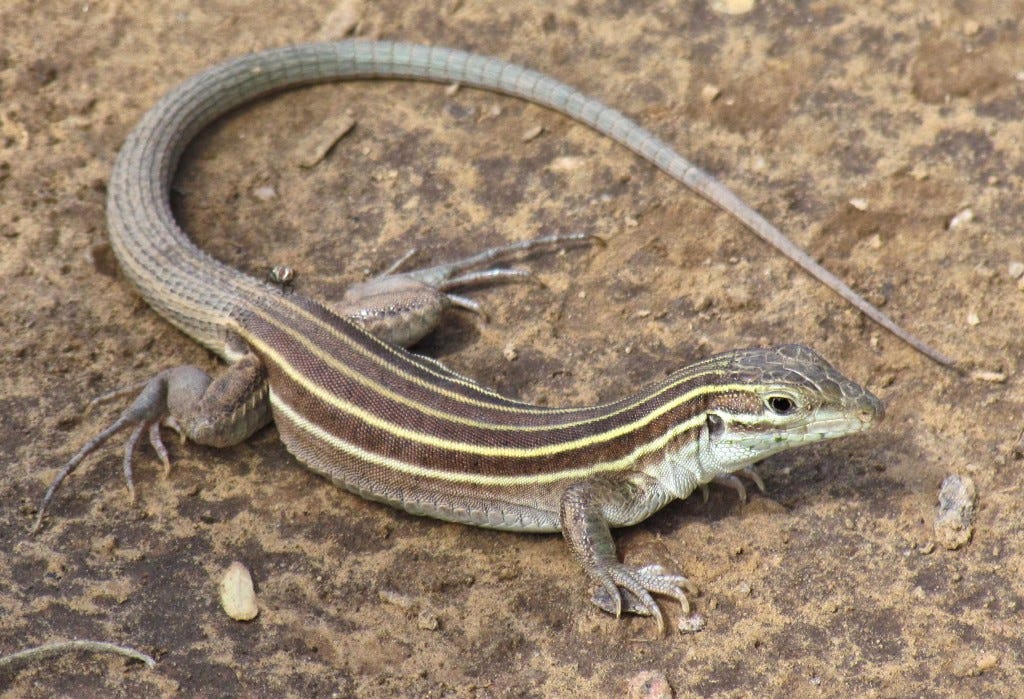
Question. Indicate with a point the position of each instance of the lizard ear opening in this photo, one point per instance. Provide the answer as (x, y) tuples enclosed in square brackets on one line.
[(715, 424)]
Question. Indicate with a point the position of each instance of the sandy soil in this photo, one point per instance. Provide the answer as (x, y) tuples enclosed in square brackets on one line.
[(861, 128)]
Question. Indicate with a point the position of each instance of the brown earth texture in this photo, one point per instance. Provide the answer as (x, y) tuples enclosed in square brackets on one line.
[(884, 137)]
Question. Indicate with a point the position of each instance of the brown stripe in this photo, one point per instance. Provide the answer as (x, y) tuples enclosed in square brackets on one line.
[(381, 441)]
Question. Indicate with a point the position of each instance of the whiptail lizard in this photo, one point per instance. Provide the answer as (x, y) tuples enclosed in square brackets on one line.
[(386, 424)]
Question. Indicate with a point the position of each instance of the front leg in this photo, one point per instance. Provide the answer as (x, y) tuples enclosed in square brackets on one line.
[(588, 509), (216, 413)]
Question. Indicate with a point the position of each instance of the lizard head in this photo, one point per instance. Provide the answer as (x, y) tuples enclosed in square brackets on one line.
[(764, 401)]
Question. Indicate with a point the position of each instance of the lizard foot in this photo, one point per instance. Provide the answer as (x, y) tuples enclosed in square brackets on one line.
[(403, 307), (144, 415), (216, 413), (628, 589), (147, 413), (446, 277), (450, 275), (731, 480)]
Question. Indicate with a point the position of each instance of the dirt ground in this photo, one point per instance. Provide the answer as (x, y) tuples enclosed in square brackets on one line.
[(865, 130)]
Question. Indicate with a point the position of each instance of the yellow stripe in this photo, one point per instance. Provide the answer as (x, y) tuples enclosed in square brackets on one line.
[(385, 349), (345, 370), (318, 434), (328, 398)]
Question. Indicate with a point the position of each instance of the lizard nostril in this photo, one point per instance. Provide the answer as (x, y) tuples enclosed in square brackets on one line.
[(872, 411)]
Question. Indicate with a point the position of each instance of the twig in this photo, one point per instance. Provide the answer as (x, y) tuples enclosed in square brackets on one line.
[(14, 659)]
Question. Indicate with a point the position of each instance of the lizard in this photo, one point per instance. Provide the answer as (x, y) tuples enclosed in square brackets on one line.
[(352, 404)]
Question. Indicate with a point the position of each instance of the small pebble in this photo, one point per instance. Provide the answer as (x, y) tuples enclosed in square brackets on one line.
[(532, 133), (427, 621), (341, 21), (960, 219), (987, 662), (1015, 269), (237, 594), (859, 204), (566, 163), (954, 522), (651, 684), (265, 192), (510, 353), (709, 93), (732, 7), (396, 598), (104, 545), (318, 143), (966, 666), (692, 624), (989, 376)]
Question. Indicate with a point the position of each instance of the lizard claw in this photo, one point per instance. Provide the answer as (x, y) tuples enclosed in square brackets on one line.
[(730, 480), (755, 477), (629, 589)]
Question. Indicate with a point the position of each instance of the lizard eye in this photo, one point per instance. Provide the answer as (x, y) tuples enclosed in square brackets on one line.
[(781, 405)]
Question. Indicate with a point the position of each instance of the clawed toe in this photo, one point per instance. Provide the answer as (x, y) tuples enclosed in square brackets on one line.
[(397, 264), (628, 589), (468, 304), (679, 582), (114, 395), (730, 480), (461, 272), (486, 276), (158, 445), (755, 477)]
